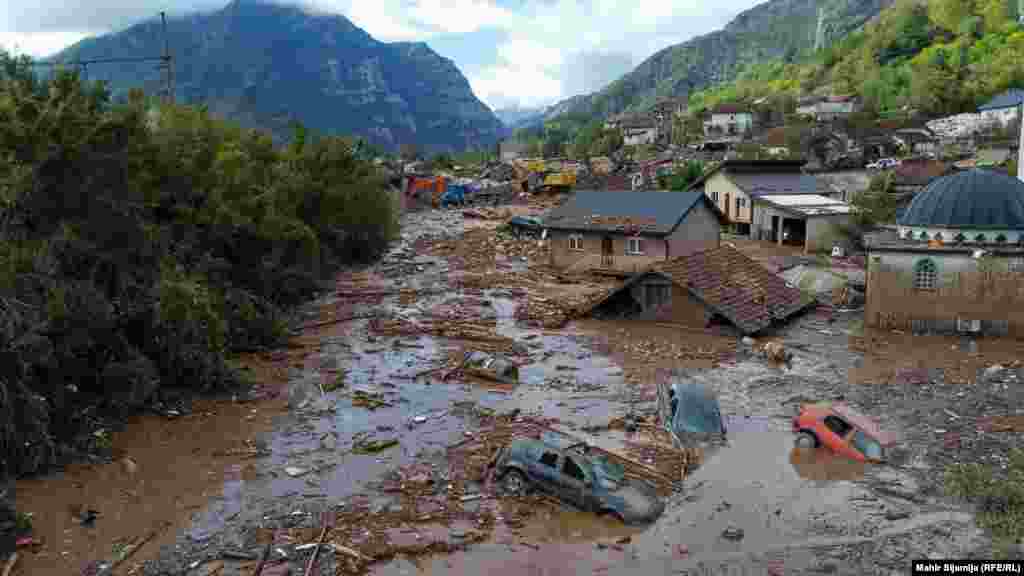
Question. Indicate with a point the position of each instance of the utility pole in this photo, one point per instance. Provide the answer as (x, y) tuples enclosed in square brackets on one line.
[(167, 63)]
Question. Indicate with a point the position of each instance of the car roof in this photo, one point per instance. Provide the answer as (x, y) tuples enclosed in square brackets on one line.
[(864, 422)]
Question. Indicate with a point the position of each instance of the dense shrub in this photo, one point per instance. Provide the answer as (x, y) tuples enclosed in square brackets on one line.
[(142, 244)]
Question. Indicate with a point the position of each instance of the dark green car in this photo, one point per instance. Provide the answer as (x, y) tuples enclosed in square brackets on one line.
[(577, 476)]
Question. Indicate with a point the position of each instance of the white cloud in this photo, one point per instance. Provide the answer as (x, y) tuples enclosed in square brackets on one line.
[(39, 44), (459, 16), (510, 85), (382, 19)]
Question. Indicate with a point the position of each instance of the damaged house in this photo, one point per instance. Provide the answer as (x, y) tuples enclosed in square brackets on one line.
[(716, 287), (629, 231)]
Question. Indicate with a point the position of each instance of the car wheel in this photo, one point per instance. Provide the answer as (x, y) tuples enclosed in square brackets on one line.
[(806, 439), (514, 483)]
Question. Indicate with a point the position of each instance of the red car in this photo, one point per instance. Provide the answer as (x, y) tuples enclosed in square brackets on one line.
[(843, 430)]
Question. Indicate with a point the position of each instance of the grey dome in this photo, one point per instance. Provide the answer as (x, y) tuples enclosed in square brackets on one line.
[(969, 199)]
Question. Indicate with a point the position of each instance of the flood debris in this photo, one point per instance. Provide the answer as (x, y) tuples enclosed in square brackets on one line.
[(491, 367), (373, 446), (295, 471), (371, 400)]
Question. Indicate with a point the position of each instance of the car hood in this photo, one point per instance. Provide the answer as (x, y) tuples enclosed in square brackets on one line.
[(636, 503)]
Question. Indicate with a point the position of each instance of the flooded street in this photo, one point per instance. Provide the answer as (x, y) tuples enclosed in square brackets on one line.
[(374, 429)]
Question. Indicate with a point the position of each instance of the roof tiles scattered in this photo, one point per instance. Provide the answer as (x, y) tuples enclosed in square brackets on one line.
[(735, 286)]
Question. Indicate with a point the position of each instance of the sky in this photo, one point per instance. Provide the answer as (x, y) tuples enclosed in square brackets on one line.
[(515, 53)]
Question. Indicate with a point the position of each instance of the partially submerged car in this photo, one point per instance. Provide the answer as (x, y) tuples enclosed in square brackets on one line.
[(525, 226), (576, 475), (843, 430), (689, 410)]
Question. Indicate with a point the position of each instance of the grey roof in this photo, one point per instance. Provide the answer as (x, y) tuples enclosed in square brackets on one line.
[(767, 183), (969, 199), (1008, 99), (655, 213)]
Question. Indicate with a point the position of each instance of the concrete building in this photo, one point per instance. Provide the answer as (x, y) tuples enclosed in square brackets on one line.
[(1002, 109), (827, 109), (955, 262), (629, 231), (639, 130), (728, 121)]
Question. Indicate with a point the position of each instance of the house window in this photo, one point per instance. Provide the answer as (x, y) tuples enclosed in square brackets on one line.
[(925, 274), (575, 242), (634, 245), (1015, 265), (714, 196)]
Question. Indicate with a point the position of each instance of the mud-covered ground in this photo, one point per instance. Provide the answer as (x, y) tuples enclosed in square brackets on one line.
[(366, 427)]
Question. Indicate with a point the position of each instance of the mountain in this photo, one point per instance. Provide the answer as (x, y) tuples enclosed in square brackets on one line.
[(266, 65), (515, 116), (778, 29), (936, 57)]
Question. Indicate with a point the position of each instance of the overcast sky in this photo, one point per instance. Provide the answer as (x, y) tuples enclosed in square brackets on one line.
[(514, 52)]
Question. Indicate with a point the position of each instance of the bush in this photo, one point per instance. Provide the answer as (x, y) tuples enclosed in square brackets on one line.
[(999, 498), (142, 245)]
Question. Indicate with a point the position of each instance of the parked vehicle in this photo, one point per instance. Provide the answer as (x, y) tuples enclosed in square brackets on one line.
[(578, 476), (454, 194), (525, 226), (689, 410), (843, 430), (884, 164)]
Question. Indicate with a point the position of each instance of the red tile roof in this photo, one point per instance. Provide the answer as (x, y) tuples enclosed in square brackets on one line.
[(735, 286), (729, 109)]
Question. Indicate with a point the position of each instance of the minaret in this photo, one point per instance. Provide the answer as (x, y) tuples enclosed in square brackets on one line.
[(1020, 147), (819, 35)]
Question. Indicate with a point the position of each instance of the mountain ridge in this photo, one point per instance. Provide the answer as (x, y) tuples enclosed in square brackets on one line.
[(268, 64)]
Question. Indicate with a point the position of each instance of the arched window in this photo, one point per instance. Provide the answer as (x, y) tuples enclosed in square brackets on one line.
[(1001, 238), (980, 238), (923, 235), (926, 274), (938, 236)]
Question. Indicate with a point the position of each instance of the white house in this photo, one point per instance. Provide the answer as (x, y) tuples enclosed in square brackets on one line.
[(827, 109), (728, 121), (1002, 109), (639, 130)]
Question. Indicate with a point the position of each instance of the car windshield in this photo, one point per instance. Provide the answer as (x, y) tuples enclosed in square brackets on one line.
[(867, 445), (610, 475), (696, 411)]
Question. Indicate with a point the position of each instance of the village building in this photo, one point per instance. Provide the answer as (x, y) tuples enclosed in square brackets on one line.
[(761, 199), (1002, 109), (719, 288), (638, 130), (917, 141), (955, 262), (629, 231), (827, 108), (728, 122), (511, 149)]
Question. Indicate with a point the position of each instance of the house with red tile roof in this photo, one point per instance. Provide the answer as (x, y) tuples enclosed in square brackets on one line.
[(716, 287)]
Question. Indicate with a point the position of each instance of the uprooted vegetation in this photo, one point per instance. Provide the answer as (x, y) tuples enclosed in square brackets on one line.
[(998, 496), (142, 244)]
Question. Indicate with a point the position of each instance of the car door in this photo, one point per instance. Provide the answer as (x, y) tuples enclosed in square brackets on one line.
[(837, 433), (545, 471), (573, 481)]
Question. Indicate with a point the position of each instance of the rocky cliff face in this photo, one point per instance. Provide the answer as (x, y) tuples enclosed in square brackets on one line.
[(773, 30), (267, 65)]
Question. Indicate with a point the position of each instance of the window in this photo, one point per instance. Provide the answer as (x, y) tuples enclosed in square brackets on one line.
[(837, 425), (867, 445), (714, 196), (575, 242), (1016, 265), (657, 294), (572, 469), (925, 274), (634, 245), (549, 459)]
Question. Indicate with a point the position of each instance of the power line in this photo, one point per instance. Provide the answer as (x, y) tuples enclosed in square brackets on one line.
[(166, 61)]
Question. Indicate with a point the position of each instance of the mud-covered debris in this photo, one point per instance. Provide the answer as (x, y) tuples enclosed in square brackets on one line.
[(491, 367), (733, 533), (369, 400), (295, 471), (129, 466), (373, 446)]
